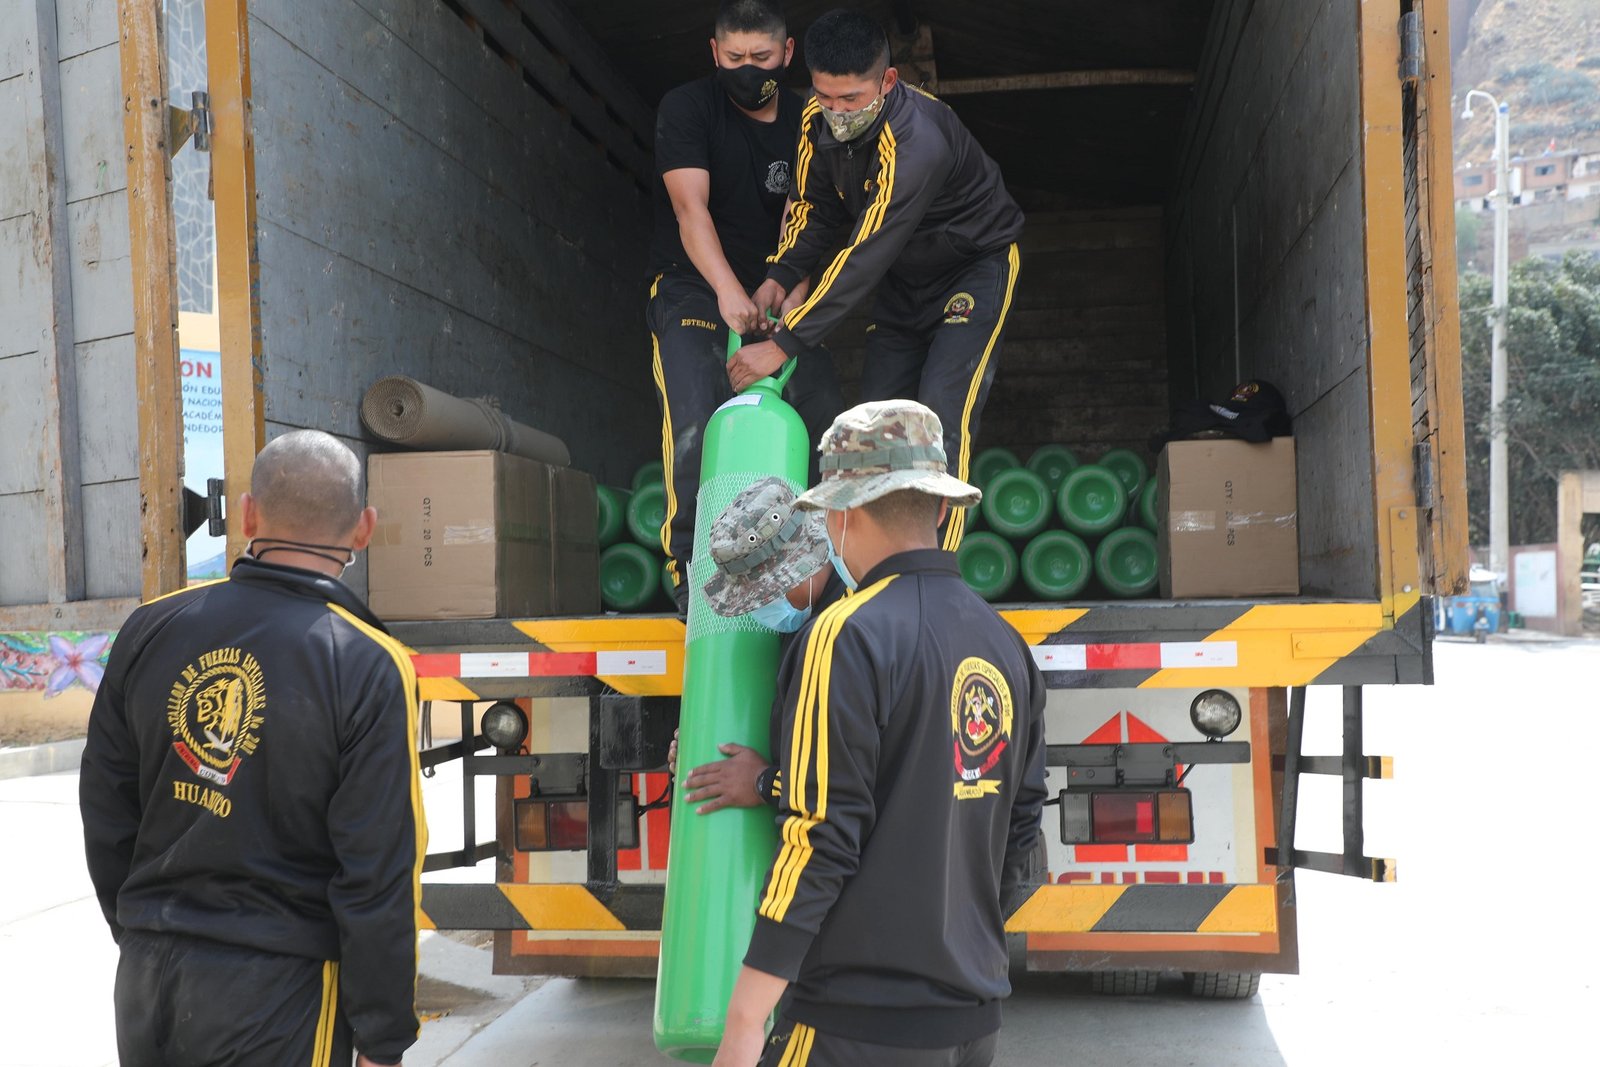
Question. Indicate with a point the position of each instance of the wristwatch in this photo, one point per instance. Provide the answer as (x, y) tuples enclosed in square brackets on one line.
[(764, 785)]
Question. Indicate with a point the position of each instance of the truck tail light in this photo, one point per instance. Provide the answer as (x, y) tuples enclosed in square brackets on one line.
[(561, 823), (1117, 817)]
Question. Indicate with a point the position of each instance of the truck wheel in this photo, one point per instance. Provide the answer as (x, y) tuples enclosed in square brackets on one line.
[(1124, 983), (1223, 985)]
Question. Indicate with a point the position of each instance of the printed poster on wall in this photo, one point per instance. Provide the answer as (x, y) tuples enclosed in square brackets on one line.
[(202, 452)]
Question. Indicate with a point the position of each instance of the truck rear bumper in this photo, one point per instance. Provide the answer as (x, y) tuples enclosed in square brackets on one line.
[(613, 930)]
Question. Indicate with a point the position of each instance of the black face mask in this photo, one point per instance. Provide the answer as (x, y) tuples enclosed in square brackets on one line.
[(749, 86)]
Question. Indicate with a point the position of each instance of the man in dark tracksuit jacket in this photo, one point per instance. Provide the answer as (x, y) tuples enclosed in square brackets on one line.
[(724, 155), (924, 217), (250, 797), (912, 771)]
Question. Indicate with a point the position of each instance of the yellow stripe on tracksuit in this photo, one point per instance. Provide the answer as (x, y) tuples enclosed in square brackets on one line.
[(801, 210), (666, 443), (810, 735), (798, 1052), (408, 682), (871, 222), (957, 525), (322, 1045)]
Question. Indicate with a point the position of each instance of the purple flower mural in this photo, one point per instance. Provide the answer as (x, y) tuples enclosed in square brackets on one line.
[(80, 662), (52, 663)]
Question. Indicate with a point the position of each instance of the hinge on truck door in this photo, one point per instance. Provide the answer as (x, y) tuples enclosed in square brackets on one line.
[(1422, 459), (1411, 47), (194, 121), (205, 510)]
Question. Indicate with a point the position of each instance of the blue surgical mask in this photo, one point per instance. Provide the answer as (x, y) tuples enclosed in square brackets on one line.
[(782, 616), (837, 559)]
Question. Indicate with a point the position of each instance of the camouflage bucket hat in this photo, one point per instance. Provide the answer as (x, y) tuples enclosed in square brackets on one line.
[(879, 448), (763, 546)]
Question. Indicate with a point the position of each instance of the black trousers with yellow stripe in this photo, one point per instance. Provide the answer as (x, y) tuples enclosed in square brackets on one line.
[(798, 1045), (939, 344), (188, 1002), (690, 368)]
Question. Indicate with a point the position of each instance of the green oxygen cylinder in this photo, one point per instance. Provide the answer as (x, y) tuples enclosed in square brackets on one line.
[(613, 507), (1092, 501), (1147, 507), (990, 462), (1127, 465), (1017, 503), (1053, 463), (717, 863), (1125, 562), (1056, 565), (627, 577), (989, 565), (652, 473), (646, 511)]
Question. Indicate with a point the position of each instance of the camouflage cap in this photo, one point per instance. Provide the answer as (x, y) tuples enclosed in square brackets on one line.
[(763, 546), (882, 447)]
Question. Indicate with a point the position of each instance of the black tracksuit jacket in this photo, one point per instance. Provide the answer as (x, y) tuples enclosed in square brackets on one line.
[(912, 764), (917, 196), (250, 777)]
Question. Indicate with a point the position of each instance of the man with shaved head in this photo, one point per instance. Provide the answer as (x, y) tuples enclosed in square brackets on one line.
[(251, 807)]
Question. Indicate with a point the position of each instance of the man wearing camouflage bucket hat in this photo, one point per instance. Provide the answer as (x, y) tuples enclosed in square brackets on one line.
[(772, 564), (912, 776)]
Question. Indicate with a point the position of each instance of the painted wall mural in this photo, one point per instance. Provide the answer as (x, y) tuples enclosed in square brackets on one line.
[(52, 663)]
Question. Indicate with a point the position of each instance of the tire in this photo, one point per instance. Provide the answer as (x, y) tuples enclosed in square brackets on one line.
[(1124, 983), (1223, 985)]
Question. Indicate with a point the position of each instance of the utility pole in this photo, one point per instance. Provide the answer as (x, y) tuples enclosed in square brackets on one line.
[(1499, 486)]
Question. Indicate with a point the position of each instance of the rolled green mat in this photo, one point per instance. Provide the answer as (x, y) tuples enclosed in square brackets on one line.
[(1149, 514), (974, 518), (649, 474), (1053, 463), (1125, 562), (613, 507), (1129, 466), (989, 462), (1017, 503), (1092, 501), (646, 511), (628, 577), (1057, 565), (988, 563)]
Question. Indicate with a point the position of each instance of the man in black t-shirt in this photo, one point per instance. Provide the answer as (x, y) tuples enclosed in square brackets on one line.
[(725, 149)]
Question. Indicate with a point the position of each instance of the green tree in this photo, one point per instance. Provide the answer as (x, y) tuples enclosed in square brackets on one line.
[(1552, 408)]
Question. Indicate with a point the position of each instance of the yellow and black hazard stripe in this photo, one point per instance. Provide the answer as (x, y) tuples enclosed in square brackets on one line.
[(1277, 643), (566, 907), (956, 527), (1266, 644), (800, 211), (1148, 909), (871, 222), (656, 633), (806, 784)]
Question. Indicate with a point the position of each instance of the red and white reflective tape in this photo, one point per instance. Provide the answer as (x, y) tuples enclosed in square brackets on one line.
[(539, 664), (1167, 655)]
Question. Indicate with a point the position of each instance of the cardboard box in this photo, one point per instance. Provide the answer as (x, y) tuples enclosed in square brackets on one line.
[(1228, 527), (480, 535)]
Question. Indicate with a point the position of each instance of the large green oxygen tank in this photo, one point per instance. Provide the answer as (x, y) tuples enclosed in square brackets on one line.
[(717, 863)]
